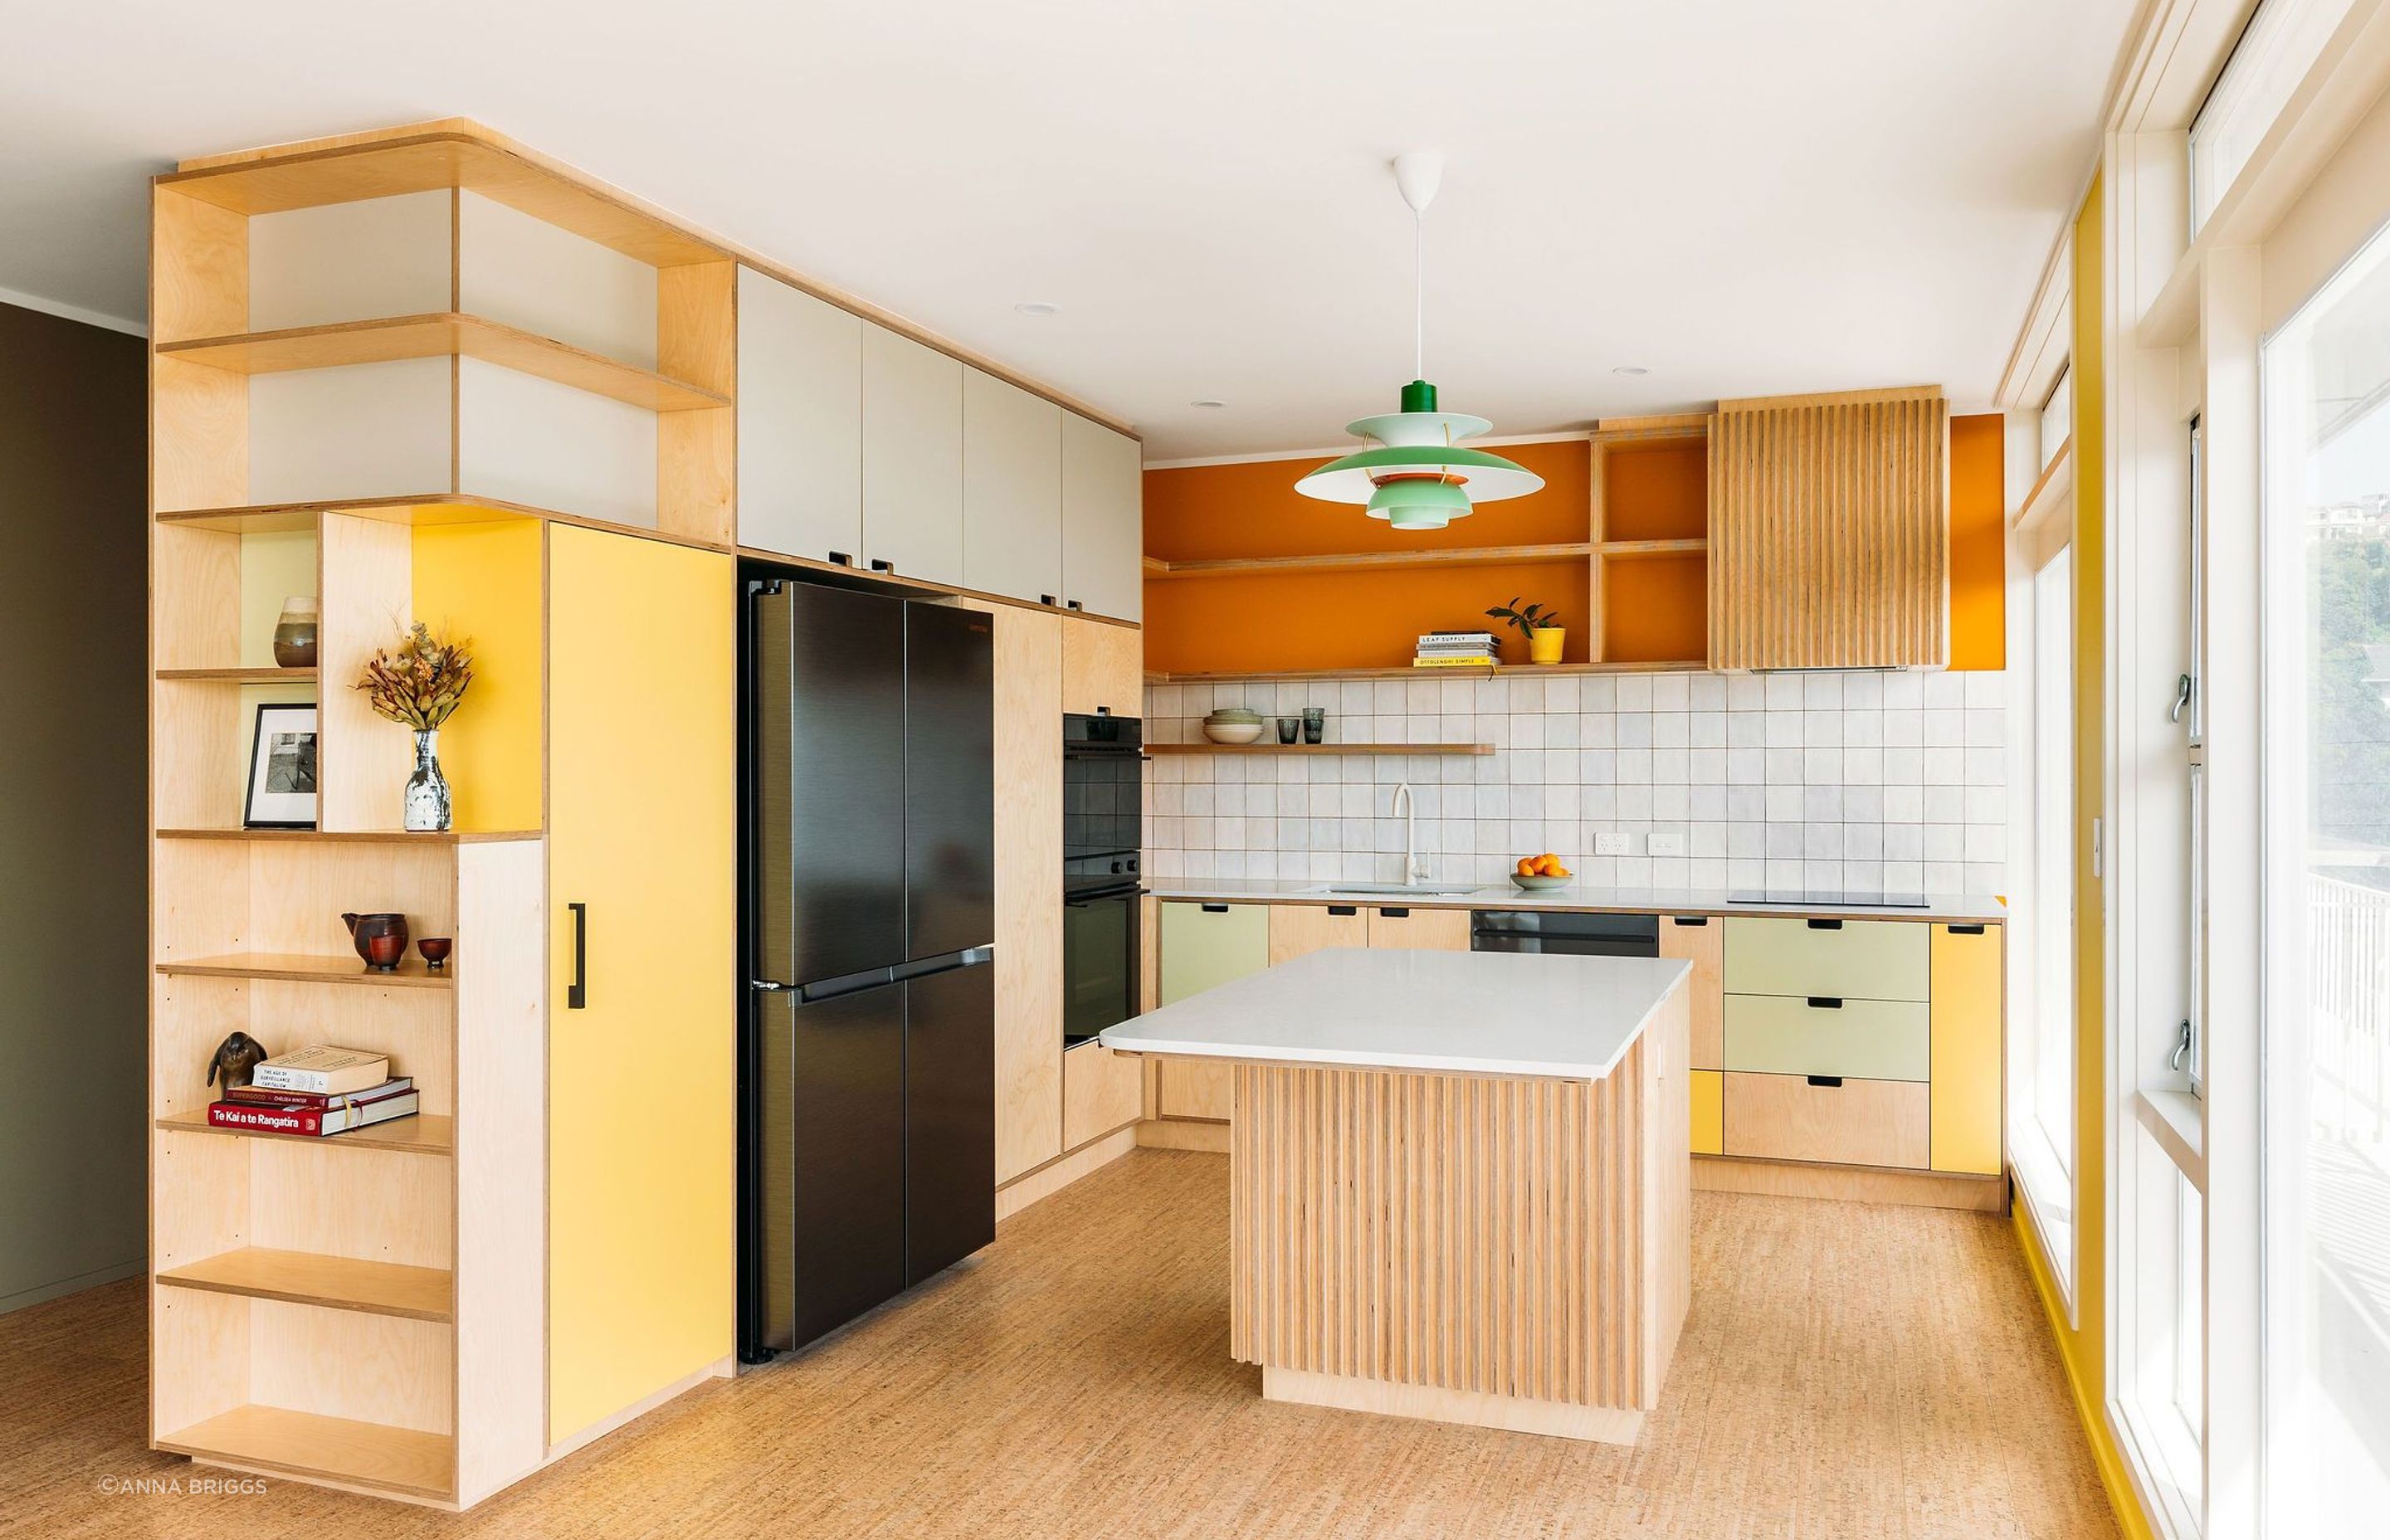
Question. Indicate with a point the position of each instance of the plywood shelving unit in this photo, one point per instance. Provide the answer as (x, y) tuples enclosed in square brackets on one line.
[(363, 357), (1649, 598)]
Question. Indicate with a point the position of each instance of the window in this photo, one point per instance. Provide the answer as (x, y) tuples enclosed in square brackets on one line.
[(2325, 1157), (2042, 1106), (2056, 419), (2281, 41)]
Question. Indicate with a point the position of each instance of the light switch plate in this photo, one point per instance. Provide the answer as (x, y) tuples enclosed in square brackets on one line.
[(1610, 844), (1666, 844)]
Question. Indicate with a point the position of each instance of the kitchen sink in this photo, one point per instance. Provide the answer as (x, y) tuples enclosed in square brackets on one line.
[(1389, 889)]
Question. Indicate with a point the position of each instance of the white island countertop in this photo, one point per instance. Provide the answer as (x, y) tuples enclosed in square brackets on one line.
[(1470, 1013)]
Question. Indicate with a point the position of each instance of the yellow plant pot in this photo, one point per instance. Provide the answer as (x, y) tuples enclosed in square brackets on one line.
[(1544, 645)]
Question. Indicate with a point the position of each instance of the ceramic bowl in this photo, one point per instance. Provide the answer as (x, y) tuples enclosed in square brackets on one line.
[(1232, 731), (1541, 884)]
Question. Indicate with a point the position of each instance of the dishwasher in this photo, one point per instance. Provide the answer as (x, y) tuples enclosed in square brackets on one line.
[(1572, 935)]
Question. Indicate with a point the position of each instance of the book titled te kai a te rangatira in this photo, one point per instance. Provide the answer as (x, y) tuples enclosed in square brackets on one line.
[(312, 1121), (322, 1069)]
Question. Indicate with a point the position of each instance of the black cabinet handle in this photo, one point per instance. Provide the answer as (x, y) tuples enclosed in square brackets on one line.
[(1347, 910), (1216, 908), (1075, 604), (880, 564), (844, 559), (1046, 599), (1396, 914), (1966, 930), (576, 997), (1830, 1083), (1825, 1002), (1825, 924), (1693, 920)]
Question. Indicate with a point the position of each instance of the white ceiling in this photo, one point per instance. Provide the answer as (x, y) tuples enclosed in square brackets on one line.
[(1745, 197)]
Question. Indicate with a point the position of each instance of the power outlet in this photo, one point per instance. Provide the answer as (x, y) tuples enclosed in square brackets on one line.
[(1666, 844), (1610, 844)]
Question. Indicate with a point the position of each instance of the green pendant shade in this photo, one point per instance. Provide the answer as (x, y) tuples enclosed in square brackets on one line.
[(1416, 477), (1419, 502)]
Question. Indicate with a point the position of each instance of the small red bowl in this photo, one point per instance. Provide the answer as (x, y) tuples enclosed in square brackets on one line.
[(435, 949)]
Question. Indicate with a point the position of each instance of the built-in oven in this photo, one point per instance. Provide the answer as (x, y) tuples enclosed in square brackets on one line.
[(1103, 836)]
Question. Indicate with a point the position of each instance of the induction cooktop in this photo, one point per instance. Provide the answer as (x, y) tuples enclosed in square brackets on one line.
[(1829, 898)]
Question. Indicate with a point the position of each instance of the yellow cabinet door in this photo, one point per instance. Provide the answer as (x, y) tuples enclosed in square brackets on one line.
[(1967, 1053), (642, 740), (1709, 1112)]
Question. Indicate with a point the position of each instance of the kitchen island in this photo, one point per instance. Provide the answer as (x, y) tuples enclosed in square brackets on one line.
[(1458, 1186)]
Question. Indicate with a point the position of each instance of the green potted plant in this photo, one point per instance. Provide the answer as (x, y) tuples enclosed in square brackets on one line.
[(1541, 626)]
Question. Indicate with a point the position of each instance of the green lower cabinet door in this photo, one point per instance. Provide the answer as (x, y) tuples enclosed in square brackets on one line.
[(1826, 1035), (1207, 944)]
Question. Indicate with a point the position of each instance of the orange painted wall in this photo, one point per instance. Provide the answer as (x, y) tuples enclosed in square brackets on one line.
[(1978, 544)]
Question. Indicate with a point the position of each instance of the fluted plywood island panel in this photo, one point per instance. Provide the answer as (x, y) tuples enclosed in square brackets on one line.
[(1458, 1188)]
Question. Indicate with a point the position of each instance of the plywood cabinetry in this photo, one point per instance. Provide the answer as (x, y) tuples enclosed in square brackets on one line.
[(1830, 531), (1298, 929), (1103, 524), (1101, 1091), (800, 423), (1699, 939), (1029, 1076), (1419, 930), (1102, 668), (1012, 491), (1204, 946)]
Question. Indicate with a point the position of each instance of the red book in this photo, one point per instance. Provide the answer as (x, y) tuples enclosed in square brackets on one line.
[(258, 1095), (312, 1121)]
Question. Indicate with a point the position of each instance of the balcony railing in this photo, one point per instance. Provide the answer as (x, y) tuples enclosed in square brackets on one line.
[(2348, 995)]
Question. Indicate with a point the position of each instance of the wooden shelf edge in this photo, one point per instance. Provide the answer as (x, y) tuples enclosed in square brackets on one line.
[(1503, 670), (353, 837), (417, 509), (326, 1282), (1628, 550), (418, 1134), (1319, 747), (298, 967), (269, 674), (441, 334), (372, 1454), (1362, 561)]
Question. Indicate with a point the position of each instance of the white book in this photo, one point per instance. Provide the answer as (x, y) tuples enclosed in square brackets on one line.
[(322, 1069)]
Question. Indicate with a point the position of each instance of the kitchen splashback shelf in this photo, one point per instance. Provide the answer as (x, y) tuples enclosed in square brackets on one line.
[(1319, 747)]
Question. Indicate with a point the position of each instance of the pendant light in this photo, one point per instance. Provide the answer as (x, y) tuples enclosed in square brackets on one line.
[(1419, 477)]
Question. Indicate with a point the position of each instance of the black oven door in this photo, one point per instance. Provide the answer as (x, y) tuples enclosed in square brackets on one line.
[(1100, 962)]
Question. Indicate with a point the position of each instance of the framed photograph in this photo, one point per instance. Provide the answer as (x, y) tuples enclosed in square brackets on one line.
[(282, 769)]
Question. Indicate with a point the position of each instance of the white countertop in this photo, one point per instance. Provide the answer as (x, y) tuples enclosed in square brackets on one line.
[(1963, 908), (1489, 1013)]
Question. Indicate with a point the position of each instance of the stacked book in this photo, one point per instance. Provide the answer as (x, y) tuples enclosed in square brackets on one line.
[(317, 1091), (1456, 649)]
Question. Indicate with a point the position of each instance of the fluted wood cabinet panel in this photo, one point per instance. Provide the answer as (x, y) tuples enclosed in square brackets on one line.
[(1830, 532), (1522, 1239)]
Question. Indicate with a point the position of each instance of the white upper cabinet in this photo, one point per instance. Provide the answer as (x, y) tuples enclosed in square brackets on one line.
[(800, 423), (1012, 491), (1103, 520), (912, 457)]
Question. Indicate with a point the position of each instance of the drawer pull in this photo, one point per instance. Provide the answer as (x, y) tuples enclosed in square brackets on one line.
[(1825, 1002), (1216, 908), (1346, 910), (1692, 919), (1966, 930), (1394, 914), (1829, 1083), (1825, 924), (842, 558), (880, 564)]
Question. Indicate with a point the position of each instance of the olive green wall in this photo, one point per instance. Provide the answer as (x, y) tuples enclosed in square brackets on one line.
[(74, 1009)]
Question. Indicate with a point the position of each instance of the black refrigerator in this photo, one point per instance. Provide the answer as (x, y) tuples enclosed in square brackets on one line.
[(869, 1070)]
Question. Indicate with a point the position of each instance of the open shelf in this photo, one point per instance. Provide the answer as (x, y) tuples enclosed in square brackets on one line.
[(353, 837), (1628, 550), (417, 1133), (1365, 561), (1319, 747), (439, 336), (419, 509), (330, 1282), (438, 158), (1523, 671), (336, 1448), (266, 675), (295, 967)]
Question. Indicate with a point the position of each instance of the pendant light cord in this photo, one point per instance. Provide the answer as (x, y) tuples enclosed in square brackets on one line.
[(1419, 294)]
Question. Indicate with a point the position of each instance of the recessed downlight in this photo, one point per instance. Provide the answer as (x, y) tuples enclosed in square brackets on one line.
[(1208, 403), (1037, 307), (1630, 369)]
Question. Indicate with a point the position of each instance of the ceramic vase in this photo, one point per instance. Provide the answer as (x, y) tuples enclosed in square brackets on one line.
[(294, 633), (427, 809)]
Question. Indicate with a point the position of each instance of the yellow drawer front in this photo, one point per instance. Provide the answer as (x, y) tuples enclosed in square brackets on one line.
[(1967, 1022), (1866, 959), (1861, 1039), (1867, 1122), (1709, 1112), (1204, 944)]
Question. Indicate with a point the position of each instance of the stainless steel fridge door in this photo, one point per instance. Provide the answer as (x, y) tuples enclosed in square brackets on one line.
[(774, 1172), (830, 782), (949, 780), (847, 1143), (950, 1118)]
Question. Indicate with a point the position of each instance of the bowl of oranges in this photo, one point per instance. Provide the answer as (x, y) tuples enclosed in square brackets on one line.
[(1535, 873)]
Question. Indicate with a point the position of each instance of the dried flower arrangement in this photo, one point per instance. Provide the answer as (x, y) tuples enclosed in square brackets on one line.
[(421, 685)]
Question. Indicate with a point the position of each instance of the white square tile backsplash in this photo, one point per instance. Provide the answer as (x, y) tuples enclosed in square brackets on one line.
[(1817, 781)]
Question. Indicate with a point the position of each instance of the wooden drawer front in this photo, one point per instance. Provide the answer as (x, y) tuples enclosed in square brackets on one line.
[(1867, 959), (1193, 1090), (1861, 1039), (1867, 1122)]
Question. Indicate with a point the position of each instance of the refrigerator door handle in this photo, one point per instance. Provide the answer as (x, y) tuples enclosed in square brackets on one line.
[(771, 986), (846, 983), (922, 968)]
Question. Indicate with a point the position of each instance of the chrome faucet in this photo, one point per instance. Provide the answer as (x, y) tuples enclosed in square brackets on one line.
[(1414, 869)]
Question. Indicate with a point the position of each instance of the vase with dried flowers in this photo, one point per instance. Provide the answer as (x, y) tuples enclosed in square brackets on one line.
[(418, 686)]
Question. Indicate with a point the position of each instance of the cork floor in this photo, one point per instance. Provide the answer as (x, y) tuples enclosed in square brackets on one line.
[(1849, 1371)]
